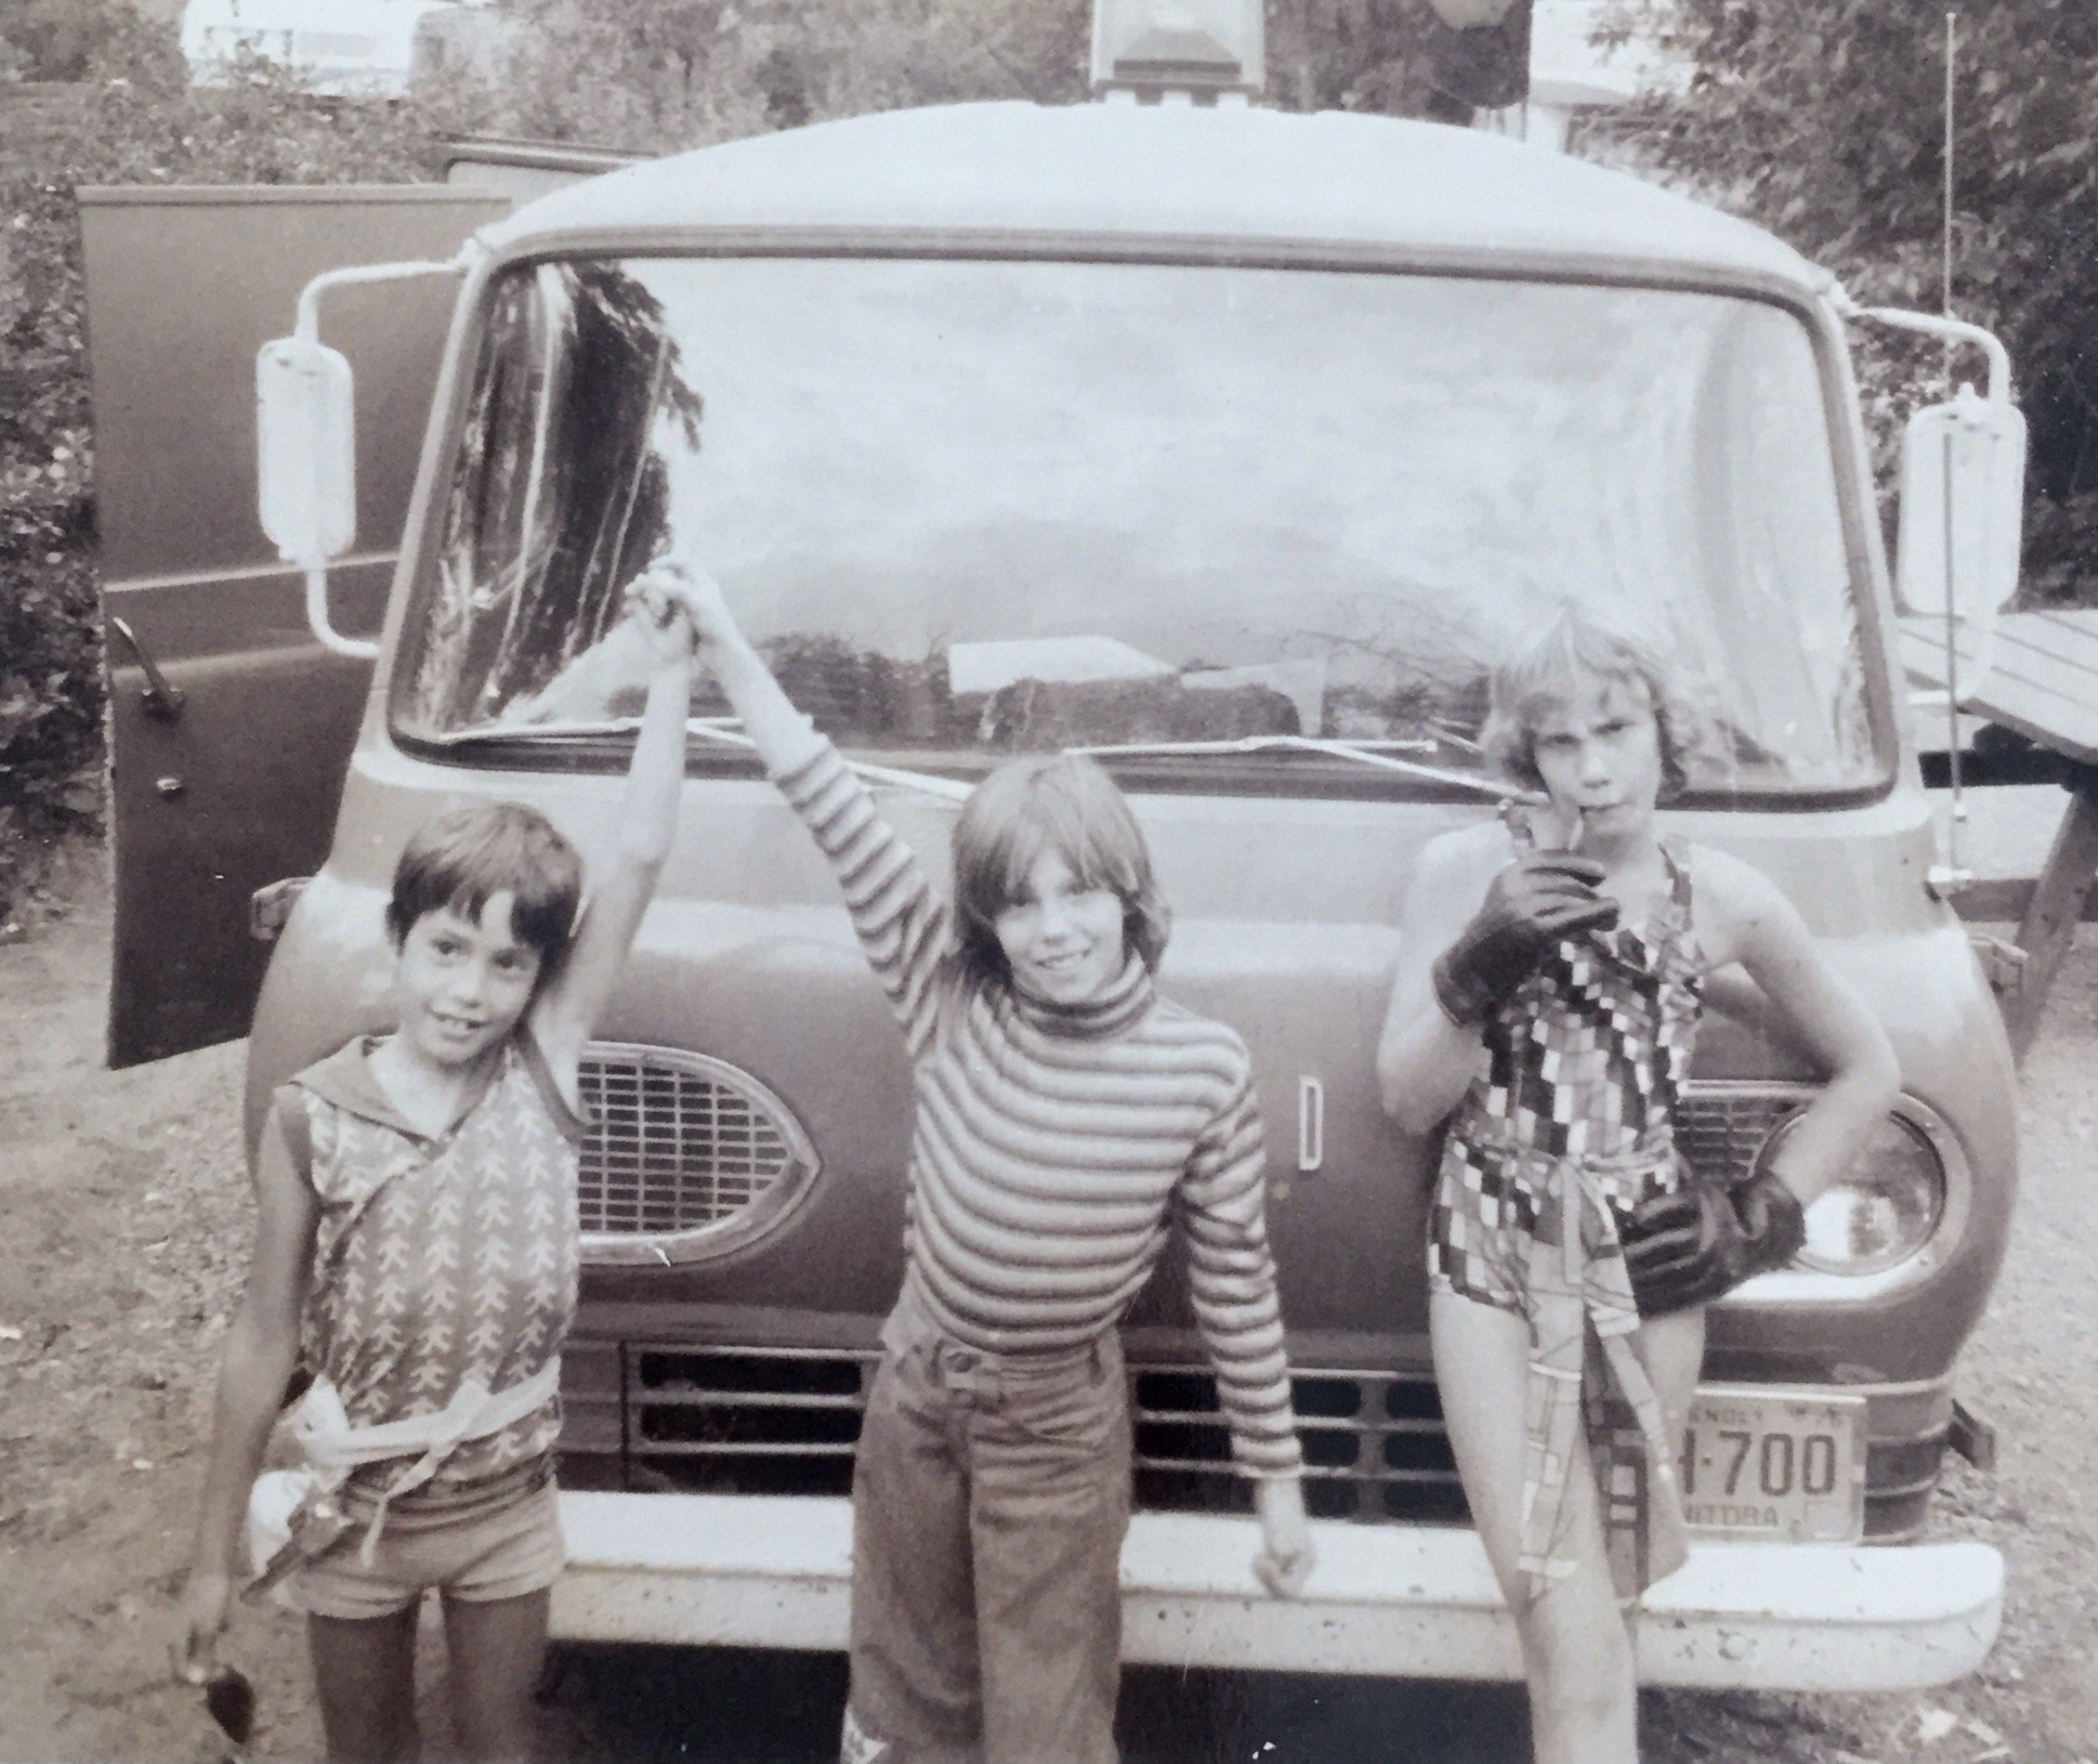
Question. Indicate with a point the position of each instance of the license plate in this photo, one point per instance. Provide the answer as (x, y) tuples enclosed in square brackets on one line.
[(1786, 1467)]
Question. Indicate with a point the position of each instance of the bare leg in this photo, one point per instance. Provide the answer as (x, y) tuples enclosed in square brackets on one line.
[(497, 1647), (1577, 1654), (1672, 1350), (365, 1668)]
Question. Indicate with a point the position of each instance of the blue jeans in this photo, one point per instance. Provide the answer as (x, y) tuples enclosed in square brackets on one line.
[(990, 1500)]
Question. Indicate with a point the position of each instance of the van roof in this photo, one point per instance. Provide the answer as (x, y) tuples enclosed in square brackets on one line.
[(1127, 171)]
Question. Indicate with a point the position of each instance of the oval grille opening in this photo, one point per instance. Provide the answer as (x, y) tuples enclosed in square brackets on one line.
[(1720, 1126), (687, 1156)]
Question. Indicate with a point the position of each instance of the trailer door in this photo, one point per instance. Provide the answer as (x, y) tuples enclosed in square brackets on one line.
[(230, 727)]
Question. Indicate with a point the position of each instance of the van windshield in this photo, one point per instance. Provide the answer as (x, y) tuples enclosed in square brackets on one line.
[(970, 508)]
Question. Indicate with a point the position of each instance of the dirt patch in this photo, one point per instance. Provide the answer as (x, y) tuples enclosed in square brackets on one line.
[(128, 1226)]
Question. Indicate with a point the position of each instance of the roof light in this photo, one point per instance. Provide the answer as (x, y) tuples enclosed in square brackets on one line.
[(1198, 49)]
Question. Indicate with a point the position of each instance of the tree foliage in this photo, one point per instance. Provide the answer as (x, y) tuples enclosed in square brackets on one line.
[(1824, 120), (130, 118)]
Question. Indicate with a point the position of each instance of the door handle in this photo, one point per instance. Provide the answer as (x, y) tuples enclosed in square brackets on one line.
[(161, 700), (1311, 1124)]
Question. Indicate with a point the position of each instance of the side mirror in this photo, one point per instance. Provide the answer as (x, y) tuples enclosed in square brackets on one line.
[(1962, 502), (306, 466)]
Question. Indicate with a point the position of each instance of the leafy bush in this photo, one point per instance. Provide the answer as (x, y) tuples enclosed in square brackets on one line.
[(56, 39), (130, 118)]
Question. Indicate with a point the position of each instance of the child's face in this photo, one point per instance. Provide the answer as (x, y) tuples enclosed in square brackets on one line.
[(462, 984), (1062, 939), (1598, 750)]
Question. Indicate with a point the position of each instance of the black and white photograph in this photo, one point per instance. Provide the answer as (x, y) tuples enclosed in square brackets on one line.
[(1048, 881)]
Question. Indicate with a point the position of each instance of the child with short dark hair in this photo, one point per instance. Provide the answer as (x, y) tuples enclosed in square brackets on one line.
[(417, 1250), (1065, 1113)]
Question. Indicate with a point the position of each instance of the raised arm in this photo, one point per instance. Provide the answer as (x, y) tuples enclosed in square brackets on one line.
[(261, 1349), (902, 922), (620, 887), (1424, 1059)]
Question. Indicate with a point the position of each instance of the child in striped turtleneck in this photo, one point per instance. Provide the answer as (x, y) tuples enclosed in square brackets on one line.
[(1064, 1110)]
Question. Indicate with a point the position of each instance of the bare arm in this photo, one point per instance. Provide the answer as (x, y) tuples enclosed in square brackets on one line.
[(1760, 929), (621, 888), (1424, 1060), (261, 1349), (783, 737)]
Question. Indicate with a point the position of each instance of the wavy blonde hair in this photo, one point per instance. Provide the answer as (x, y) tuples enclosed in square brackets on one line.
[(1541, 675)]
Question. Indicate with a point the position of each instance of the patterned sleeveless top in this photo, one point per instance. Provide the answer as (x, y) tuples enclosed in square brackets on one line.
[(436, 1261), (1587, 1061), (1571, 1126)]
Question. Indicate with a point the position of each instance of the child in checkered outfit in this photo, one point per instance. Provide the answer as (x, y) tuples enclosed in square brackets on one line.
[(1545, 1009), (416, 1252)]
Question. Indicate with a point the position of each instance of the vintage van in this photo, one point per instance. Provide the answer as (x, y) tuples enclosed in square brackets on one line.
[(1226, 443)]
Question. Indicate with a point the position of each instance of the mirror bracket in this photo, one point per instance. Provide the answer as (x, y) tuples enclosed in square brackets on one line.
[(1952, 329), (307, 440)]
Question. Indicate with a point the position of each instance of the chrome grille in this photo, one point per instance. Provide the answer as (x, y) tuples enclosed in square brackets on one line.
[(686, 1155), (785, 1421), (1373, 1446), (1720, 1126)]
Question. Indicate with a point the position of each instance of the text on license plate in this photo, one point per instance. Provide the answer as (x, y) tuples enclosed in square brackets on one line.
[(1784, 1466)]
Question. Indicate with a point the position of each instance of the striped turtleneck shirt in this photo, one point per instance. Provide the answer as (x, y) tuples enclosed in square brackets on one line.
[(1052, 1145)]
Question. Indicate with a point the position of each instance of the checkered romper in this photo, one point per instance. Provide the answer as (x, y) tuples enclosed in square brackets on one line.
[(1569, 1127)]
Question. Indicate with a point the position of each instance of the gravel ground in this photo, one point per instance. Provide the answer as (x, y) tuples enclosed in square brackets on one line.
[(127, 1225)]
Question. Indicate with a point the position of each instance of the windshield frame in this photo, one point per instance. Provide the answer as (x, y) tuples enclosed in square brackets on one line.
[(1308, 775)]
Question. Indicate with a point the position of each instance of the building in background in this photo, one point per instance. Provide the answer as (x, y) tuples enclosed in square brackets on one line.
[(345, 49), (1570, 72)]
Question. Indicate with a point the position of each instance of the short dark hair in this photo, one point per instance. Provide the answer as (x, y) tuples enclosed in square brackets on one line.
[(462, 858), (1062, 803)]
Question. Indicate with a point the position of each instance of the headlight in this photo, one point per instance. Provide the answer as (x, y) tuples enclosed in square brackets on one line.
[(1883, 1211)]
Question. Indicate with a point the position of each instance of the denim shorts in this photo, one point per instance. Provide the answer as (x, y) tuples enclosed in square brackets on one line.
[(497, 1537)]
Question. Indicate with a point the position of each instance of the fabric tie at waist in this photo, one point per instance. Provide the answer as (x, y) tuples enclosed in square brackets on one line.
[(332, 1447), (1578, 1289)]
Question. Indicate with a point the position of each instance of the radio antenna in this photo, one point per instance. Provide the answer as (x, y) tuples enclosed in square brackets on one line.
[(1956, 820), (1951, 60)]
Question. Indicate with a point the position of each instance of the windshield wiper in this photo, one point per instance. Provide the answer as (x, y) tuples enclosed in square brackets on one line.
[(1360, 753), (724, 731), (711, 728)]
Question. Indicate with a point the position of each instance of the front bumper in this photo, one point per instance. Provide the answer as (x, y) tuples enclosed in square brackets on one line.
[(1385, 1601)]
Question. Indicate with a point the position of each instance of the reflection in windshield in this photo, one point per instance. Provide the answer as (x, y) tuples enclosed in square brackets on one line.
[(561, 496), (975, 508)]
